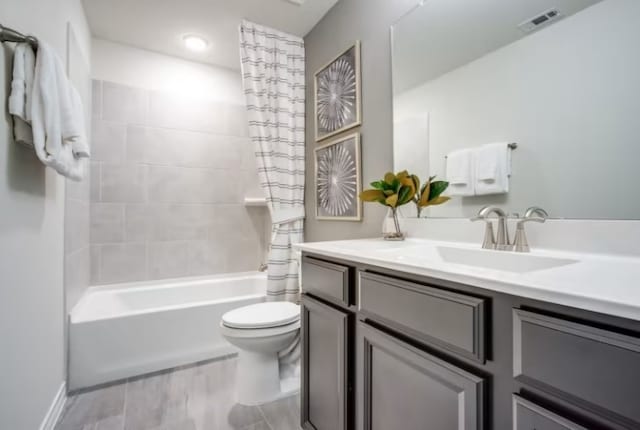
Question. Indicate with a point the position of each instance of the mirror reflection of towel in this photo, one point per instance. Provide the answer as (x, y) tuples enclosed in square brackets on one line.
[(493, 167), (460, 172)]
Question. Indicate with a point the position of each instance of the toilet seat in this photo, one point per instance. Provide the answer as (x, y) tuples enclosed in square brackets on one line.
[(262, 316), (258, 333)]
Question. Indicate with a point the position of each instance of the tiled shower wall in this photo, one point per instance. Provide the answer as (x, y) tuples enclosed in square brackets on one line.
[(168, 180), (76, 241)]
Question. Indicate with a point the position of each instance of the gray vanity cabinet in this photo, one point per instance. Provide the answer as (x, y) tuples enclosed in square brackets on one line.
[(326, 379), (388, 350), (400, 386)]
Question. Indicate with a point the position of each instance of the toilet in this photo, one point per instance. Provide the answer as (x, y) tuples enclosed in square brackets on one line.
[(260, 331)]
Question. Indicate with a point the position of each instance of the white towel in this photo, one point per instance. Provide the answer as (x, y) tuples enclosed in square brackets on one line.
[(24, 63), (55, 118), (75, 130), (493, 168), (460, 173)]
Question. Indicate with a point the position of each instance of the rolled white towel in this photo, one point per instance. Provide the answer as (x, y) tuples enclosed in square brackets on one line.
[(21, 88)]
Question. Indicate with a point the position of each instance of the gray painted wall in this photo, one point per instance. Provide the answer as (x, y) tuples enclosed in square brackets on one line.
[(369, 22), (32, 199)]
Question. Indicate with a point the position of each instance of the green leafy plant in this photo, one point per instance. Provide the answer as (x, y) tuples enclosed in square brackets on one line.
[(430, 194), (392, 191)]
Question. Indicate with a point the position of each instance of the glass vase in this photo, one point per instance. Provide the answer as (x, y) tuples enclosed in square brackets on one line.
[(391, 229)]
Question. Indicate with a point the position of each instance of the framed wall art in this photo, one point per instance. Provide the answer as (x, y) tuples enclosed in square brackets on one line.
[(338, 181), (337, 94)]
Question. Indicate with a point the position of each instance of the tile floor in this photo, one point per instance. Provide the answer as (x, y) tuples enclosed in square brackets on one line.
[(197, 397)]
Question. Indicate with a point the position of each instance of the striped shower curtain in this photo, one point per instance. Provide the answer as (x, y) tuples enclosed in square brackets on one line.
[(273, 79)]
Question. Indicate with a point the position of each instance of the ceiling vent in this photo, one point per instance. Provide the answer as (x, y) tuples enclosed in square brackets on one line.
[(539, 21)]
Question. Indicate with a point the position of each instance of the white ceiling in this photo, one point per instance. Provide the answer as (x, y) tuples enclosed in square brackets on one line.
[(443, 35), (159, 25)]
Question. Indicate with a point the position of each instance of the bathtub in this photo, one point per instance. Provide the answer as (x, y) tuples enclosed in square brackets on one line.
[(123, 330)]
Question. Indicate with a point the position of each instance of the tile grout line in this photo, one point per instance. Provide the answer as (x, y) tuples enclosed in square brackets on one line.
[(124, 406)]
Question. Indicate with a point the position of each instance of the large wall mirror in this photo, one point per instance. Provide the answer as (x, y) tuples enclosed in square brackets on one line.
[(561, 78)]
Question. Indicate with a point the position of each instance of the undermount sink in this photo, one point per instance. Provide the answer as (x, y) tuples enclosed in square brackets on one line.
[(500, 260), (505, 261)]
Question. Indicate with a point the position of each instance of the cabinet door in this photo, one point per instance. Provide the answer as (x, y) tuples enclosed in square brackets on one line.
[(400, 386), (529, 416), (326, 381)]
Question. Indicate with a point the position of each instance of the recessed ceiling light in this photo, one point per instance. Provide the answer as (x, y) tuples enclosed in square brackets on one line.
[(195, 43)]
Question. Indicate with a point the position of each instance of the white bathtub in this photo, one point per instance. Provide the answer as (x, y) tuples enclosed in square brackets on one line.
[(123, 330)]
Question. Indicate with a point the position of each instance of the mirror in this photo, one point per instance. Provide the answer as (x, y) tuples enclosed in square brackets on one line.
[(561, 78)]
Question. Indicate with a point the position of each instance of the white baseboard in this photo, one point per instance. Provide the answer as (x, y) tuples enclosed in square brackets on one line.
[(55, 409)]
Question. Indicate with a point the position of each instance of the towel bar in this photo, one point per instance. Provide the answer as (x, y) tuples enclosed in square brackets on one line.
[(511, 146), (10, 35)]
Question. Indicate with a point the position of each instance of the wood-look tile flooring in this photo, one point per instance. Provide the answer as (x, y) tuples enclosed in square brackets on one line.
[(198, 397)]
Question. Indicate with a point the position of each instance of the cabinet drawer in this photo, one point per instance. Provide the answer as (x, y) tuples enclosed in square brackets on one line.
[(401, 387), (453, 321), (597, 368), (529, 416), (327, 280)]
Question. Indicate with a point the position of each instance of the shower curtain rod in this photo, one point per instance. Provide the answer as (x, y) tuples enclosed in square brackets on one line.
[(10, 35)]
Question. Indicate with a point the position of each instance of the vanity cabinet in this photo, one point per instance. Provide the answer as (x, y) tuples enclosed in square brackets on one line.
[(385, 349), (327, 387)]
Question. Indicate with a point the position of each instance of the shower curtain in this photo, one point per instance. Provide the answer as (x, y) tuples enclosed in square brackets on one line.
[(272, 65)]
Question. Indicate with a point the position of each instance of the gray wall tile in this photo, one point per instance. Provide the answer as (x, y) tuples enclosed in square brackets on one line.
[(236, 120), (180, 148), (94, 186), (107, 222), (96, 96), (136, 143), (123, 183), (176, 222), (123, 262), (167, 186), (94, 256), (108, 141), (124, 104), (206, 257), (168, 259), (193, 185), (136, 222), (171, 111)]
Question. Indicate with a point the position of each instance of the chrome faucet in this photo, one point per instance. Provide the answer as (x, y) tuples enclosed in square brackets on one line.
[(501, 242), (533, 214)]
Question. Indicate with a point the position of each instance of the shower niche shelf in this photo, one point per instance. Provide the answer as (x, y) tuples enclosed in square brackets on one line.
[(255, 201)]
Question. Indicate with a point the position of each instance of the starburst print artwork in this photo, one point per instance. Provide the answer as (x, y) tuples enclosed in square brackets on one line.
[(337, 94), (337, 179)]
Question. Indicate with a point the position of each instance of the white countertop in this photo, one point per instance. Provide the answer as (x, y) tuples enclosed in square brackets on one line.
[(608, 284)]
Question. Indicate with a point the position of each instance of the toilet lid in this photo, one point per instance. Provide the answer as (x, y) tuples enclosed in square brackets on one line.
[(262, 315)]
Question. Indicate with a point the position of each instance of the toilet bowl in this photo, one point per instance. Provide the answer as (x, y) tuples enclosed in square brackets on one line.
[(260, 332)]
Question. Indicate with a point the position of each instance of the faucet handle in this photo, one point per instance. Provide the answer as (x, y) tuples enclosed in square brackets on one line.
[(535, 210), (533, 214), (489, 241)]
